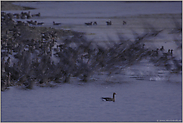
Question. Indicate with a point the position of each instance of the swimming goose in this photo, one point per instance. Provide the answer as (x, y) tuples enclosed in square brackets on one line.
[(162, 48), (41, 23), (108, 98), (124, 22), (88, 23), (171, 52), (30, 22), (95, 23), (38, 15), (56, 23), (34, 23), (109, 22)]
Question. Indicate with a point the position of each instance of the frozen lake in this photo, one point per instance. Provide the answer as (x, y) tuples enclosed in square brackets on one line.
[(144, 92)]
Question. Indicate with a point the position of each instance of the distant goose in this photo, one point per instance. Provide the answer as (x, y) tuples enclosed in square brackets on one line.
[(88, 23), (124, 22), (95, 23), (109, 22), (170, 52), (34, 23), (30, 22), (41, 23), (162, 48), (28, 15), (38, 15), (56, 23), (109, 99), (16, 15)]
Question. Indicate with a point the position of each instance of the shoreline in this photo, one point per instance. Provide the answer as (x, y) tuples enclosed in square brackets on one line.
[(8, 5)]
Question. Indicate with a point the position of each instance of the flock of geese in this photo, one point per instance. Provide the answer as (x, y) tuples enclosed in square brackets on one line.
[(107, 22), (28, 15)]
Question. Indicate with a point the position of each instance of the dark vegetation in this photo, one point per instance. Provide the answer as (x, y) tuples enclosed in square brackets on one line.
[(27, 54)]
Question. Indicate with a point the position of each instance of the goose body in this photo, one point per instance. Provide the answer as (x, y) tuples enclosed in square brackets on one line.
[(108, 98), (95, 23), (41, 23), (124, 22), (56, 23), (88, 23), (38, 15), (109, 22)]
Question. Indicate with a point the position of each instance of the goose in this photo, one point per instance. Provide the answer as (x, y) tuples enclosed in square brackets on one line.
[(88, 23), (34, 23), (162, 48), (124, 22), (56, 23), (28, 15), (16, 15), (171, 52), (30, 22), (109, 22), (108, 98), (95, 23), (41, 23), (38, 15)]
